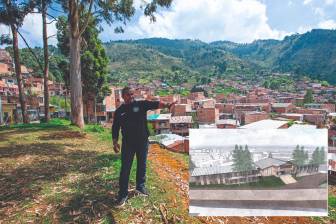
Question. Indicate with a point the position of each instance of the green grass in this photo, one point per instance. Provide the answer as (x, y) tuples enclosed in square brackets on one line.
[(265, 182), (332, 201), (103, 134), (53, 123)]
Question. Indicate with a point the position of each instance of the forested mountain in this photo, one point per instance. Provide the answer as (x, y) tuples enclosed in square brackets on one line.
[(312, 54)]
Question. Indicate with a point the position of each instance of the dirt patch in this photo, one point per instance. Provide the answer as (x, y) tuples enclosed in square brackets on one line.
[(63, 135), (172, 169)]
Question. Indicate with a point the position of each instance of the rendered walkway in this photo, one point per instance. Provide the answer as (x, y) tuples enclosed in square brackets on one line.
[(287, 179)]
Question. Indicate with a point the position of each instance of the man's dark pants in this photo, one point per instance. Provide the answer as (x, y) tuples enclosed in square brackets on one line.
[(128, 150)]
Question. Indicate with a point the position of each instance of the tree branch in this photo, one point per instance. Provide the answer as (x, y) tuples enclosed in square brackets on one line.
[(54, 18), (86, 20), (56, 10), (31, 50), (51, 36)]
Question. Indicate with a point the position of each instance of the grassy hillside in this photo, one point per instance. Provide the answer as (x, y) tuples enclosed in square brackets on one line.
[(312, 54)]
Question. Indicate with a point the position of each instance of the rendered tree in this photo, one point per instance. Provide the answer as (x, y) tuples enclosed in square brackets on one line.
[(299, 156), (318, 156), (109, 11), (242, 160)]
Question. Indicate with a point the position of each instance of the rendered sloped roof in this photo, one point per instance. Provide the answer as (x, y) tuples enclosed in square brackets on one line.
[(268, 162)]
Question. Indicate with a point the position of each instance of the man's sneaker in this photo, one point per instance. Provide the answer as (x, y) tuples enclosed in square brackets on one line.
[(142, 191), (121, 201)]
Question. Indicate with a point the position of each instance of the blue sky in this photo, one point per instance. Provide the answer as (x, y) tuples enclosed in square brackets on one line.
[(210, 20)]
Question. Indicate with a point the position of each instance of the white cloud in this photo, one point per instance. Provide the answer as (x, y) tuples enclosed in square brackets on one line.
[(32, 30), (239, 21), (307, 2), (329, 2), (319, 11), (304, 29), (327, 24)]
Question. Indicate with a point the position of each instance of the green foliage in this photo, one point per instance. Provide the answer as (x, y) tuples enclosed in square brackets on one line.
[(308, 97), (226, 90), (99, 132), (163, 92), (290, 123), (151, 129), (299, 155), (94, 128), (318, 156), (29, 61), (242, 159), (60, 102), (53, 123), (282, 83)]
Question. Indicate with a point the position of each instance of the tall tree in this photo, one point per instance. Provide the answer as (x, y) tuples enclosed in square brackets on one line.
[(12, 14), (242, 160), (94, 62), (308, 97), (44, 6), (318, 156), (299, 155), (109, 11)]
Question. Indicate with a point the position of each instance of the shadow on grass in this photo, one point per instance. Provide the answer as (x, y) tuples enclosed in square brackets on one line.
[(94, 194), (6, 133)]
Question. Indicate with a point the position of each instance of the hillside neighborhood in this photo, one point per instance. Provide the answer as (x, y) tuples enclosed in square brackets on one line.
[(311, 103)]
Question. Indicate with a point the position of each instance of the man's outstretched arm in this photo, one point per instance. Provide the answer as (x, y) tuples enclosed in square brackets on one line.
[(153, 105)]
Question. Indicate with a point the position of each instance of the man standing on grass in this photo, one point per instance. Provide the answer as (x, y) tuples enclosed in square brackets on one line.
[(131, 118)]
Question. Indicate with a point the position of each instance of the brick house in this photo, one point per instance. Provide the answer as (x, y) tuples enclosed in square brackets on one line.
[(196, 96), (292, 116), (180, 125), (227, 123), (253, 116), (225, 107), (160, 123), (282, 107), (182, 109), (317, 119), (207, 115), (170, 98)]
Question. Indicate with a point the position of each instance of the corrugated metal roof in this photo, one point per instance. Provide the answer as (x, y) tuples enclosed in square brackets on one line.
[(201, 171), (152, 117)]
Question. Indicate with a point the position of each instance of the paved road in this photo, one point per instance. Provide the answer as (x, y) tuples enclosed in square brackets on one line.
[(201, 211), (248, 204), (257, 195)]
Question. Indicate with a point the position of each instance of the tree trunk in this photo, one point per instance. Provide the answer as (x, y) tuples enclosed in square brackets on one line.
[(75, 67), (95, 109), (76, 83), (46, 62), (19, 75)]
